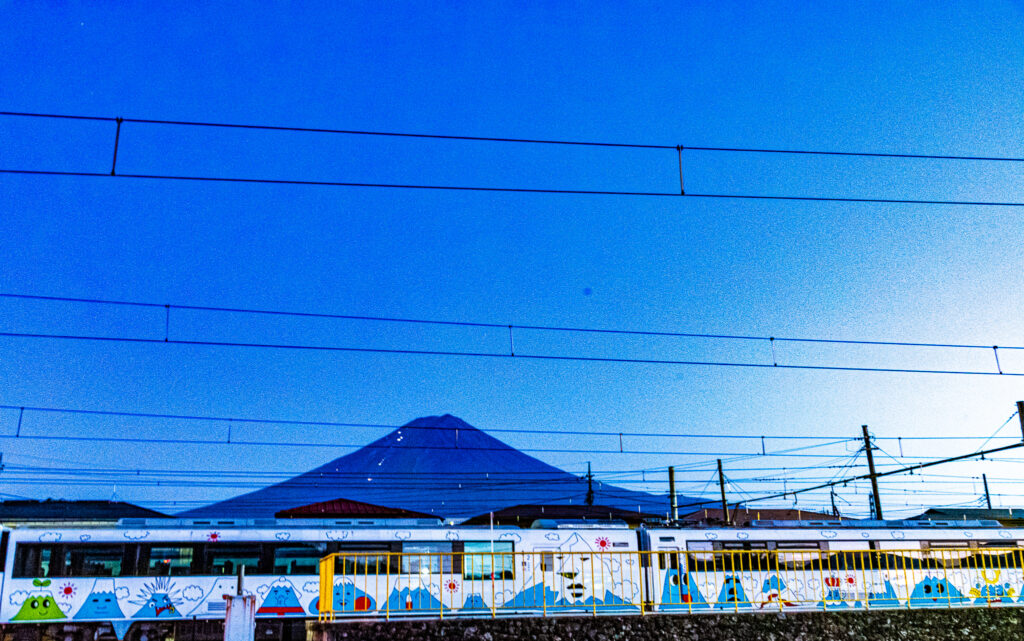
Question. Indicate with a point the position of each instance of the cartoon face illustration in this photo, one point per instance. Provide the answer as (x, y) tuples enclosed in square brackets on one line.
[(574, 570), (732, 595), (680, 593), (280, 599), (349, 598), (932, 591), (159, 600), (101, 603), (991, 591), (39, 604)]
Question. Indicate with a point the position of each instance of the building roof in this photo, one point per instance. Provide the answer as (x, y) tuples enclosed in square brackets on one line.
[(23, 511), (348, 507), (1006, 516), (438, 465), (742, 517), (525, 515)]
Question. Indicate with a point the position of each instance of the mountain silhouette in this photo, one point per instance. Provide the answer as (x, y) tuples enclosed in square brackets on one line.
[(439, 465)]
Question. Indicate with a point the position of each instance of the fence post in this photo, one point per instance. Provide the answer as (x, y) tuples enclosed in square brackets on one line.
[(906, 578), (821, 575), (494, 611), (387, 585), (945, 577), (859, 555)]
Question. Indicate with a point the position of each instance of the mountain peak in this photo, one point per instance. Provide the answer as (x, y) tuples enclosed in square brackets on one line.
[(435, 465), (445, 422)]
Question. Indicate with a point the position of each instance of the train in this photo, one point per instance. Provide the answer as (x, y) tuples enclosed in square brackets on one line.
[(164, 579)]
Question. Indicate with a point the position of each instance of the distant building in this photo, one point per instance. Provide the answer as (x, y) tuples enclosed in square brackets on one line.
[(347, 508), (1010, 517), (24, 512), (743, 516), (525, 515)]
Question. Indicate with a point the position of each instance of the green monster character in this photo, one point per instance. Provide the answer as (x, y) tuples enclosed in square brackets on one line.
[(39, 605)]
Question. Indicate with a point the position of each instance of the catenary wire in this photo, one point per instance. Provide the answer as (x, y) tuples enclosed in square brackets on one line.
[(517, 190), (513, 140), (236, 420), (503, 326), (500, 355)]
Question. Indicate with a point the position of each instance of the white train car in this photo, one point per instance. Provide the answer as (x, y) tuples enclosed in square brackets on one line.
[(828, 565), (144, 578)]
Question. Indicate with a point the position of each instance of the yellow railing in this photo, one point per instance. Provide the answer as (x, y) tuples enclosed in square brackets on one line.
[(544, 583)]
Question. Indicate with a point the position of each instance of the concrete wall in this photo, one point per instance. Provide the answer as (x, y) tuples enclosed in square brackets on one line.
[(905, 625)]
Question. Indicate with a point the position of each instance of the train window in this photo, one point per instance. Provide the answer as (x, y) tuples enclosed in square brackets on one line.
[(946, 545), (800, 545), (169, 560), (432, 557), (35, 561), (93, 560), (224, 560), (547, 562), (298, 558), (479, 563), (365, 558), (669, 560)]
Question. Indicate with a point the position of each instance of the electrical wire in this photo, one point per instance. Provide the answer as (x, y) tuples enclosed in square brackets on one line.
[(514, 190), (503, 326), (510, 354), (302, 423), (512, 140)]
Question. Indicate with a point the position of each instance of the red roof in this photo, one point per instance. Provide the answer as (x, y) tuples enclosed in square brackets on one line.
[(744, 516), (348, 507)]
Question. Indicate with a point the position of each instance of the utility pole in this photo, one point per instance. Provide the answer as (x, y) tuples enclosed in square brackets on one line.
[(874, 476), (673, 500), (1020, 417), (832, 495), (590, 486), (721, 486), (988, 499)]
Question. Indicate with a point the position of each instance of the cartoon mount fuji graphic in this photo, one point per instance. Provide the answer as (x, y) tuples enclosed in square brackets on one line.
[(480, 473)]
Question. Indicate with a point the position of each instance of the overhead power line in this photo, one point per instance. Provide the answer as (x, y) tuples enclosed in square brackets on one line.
[(679, 148), (237, 420), (771, 358), (873, 476), (358, 132), (512, 190)]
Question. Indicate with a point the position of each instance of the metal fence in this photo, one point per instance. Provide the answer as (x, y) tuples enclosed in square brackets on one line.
[(548, 583)]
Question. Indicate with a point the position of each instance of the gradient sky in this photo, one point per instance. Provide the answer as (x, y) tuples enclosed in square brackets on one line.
[(870, 76)]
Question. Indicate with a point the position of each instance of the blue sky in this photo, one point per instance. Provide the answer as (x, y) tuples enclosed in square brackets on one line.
[(889, 77)]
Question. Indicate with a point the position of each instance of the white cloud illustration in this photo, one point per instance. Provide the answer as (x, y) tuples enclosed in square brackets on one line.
[(311, 586), (17, 598), (337, 535), (511, 536), (403, 535), (50, 536), (283, 536), (136, 535), (192, 593), (552, 536), (452, 535), (121, 592)]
